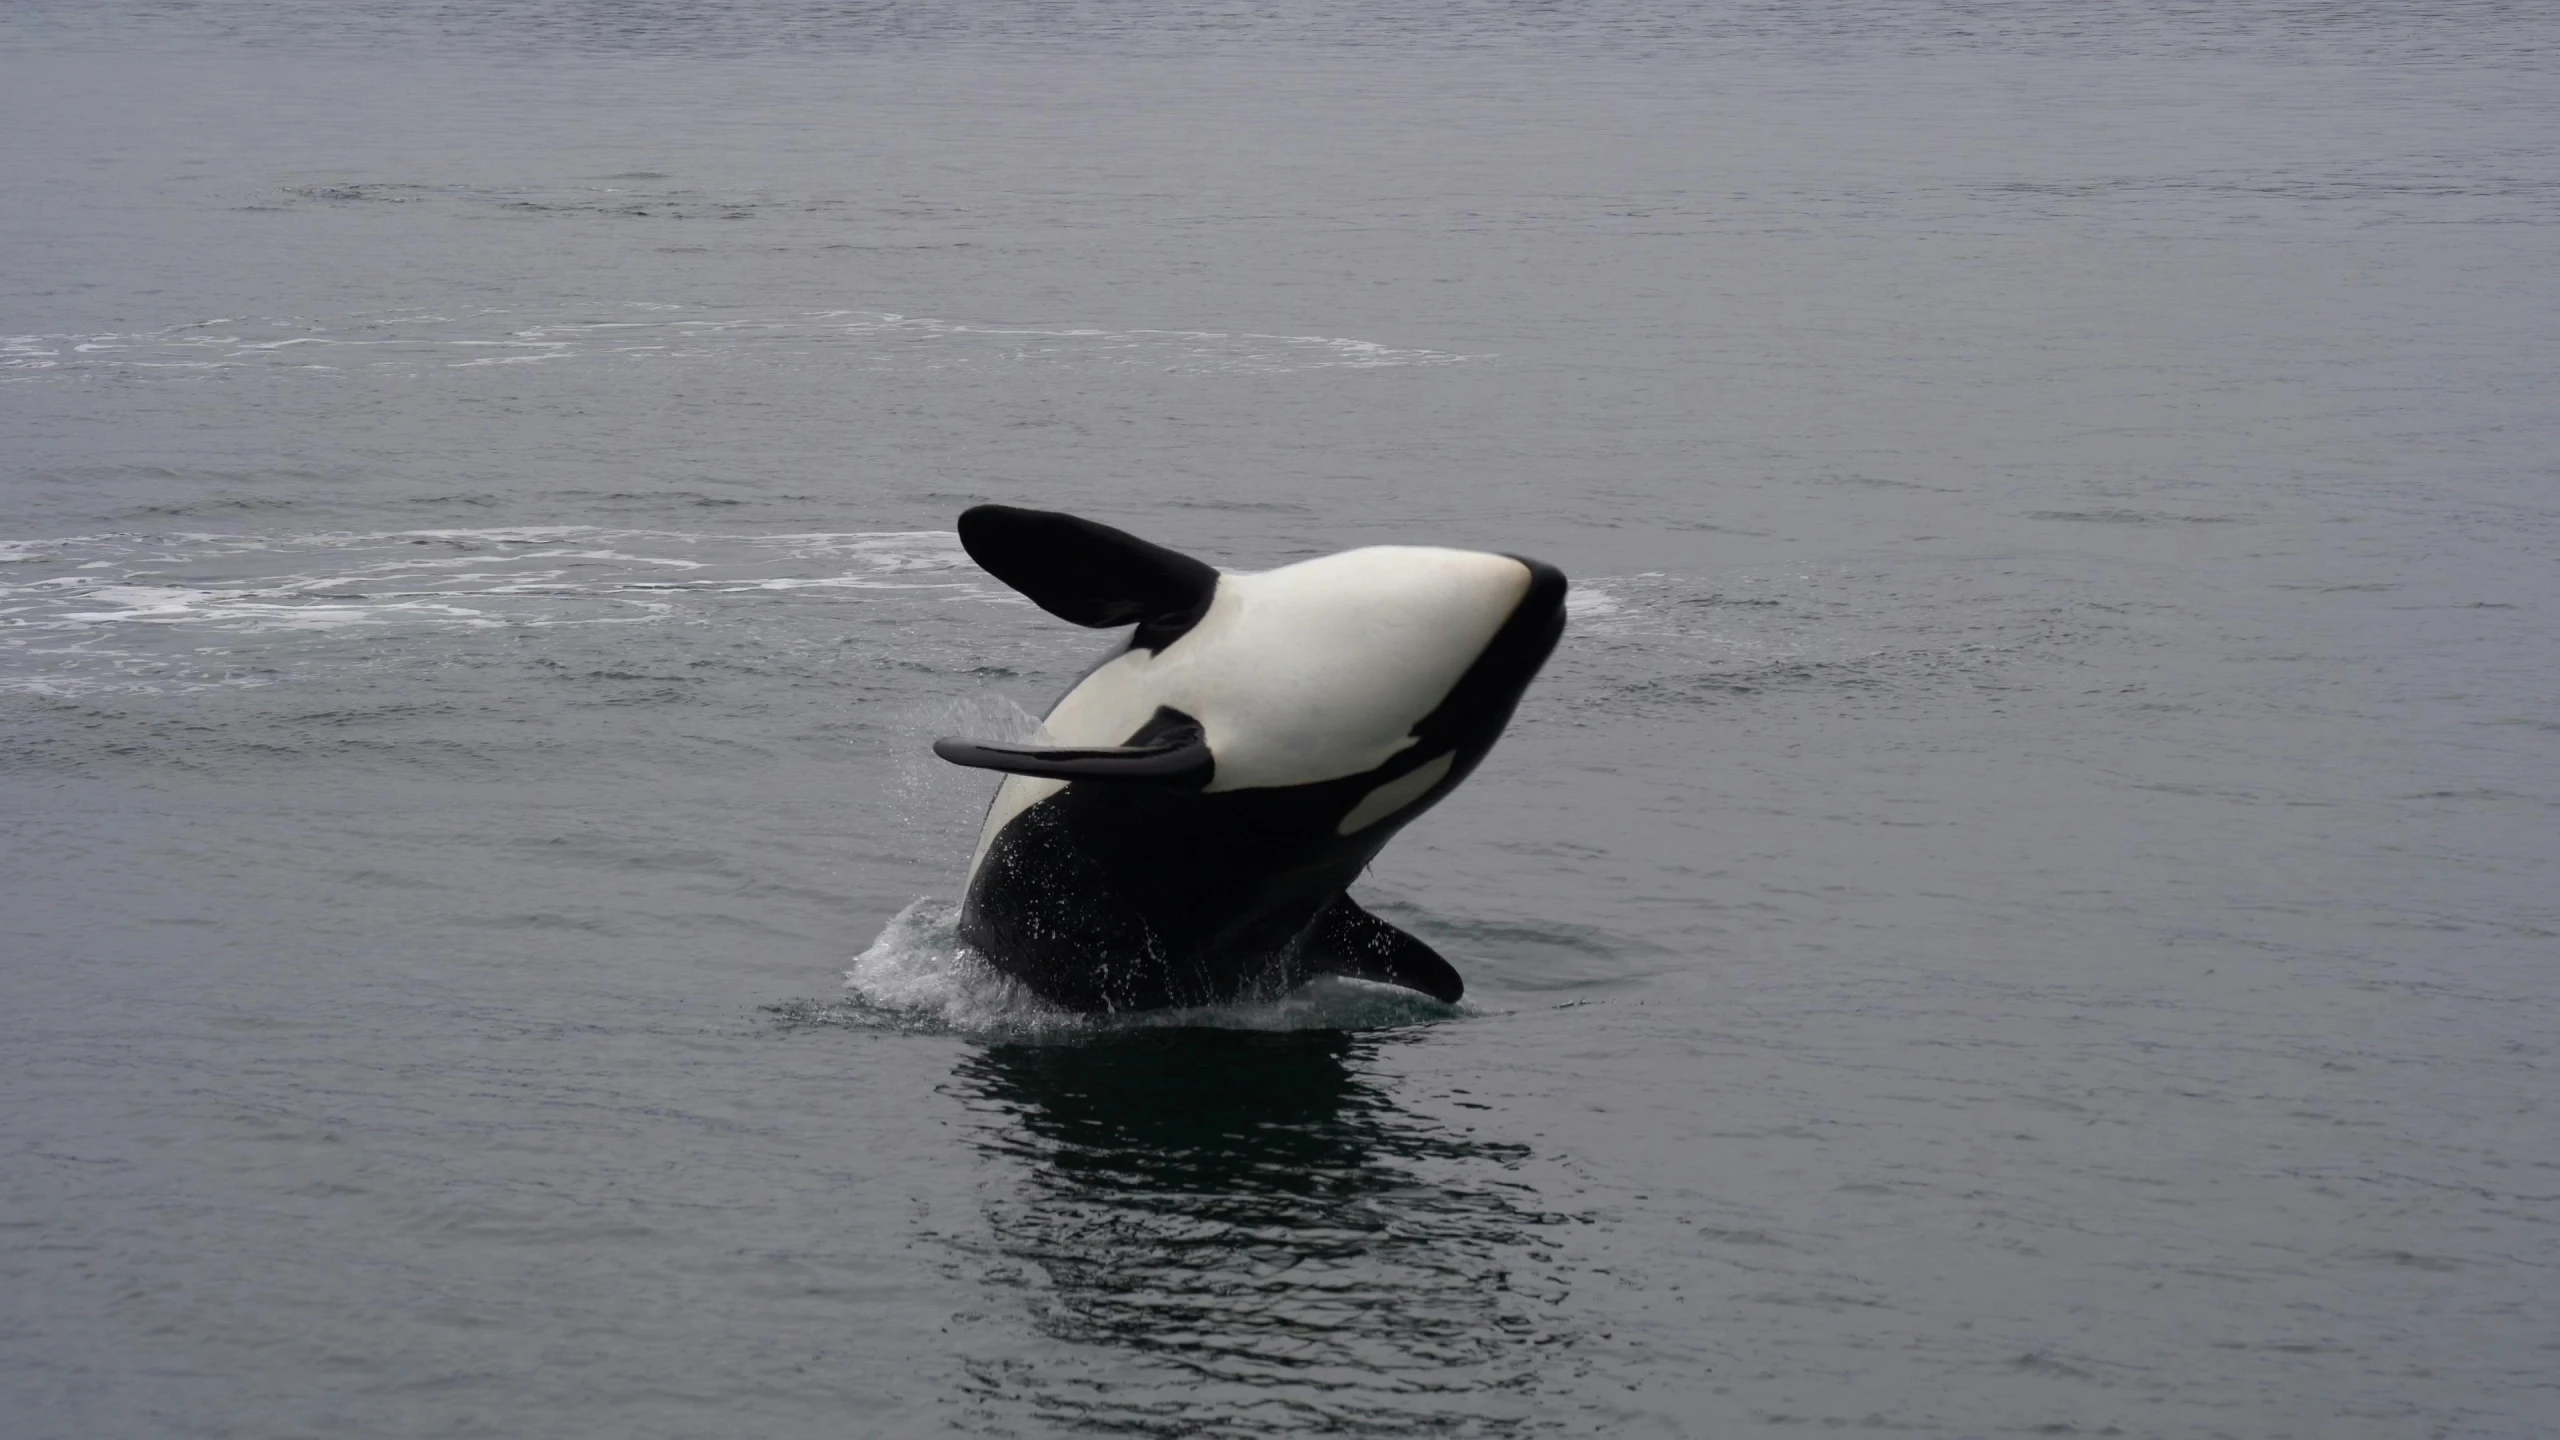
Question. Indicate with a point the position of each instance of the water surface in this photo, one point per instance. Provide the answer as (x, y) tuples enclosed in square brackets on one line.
[(2023, 904)]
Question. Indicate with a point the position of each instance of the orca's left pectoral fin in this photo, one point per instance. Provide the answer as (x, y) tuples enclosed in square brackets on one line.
[(1348, 940), (1177, 758)]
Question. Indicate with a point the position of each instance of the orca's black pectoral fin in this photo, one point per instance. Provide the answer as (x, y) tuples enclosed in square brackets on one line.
[(1087, 573), (1179, 757), (1348, 940)]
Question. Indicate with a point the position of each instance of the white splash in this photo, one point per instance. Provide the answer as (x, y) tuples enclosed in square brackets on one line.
[(918, 968), (919, 973)]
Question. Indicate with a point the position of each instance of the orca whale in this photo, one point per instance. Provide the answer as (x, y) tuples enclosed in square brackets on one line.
[(1206, 792)]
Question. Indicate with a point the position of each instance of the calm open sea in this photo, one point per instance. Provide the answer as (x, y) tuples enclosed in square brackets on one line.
[(2025, 903)]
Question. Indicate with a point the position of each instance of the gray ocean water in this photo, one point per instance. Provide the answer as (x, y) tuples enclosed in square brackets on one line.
[(2025, 903)]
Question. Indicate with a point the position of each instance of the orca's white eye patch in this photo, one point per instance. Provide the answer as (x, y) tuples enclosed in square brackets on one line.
[(1396, 794)]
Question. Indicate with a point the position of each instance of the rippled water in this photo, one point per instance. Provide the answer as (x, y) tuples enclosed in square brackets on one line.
[(2024, 903)]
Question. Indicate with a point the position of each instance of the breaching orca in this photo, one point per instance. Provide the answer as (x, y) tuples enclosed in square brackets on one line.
[(1207, 792)]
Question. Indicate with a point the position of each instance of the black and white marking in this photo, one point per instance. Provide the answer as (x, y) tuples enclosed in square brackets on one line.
[(1184, 835)]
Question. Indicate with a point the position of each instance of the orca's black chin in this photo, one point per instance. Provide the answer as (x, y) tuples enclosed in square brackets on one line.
[(1521, 647), (1547, 587)]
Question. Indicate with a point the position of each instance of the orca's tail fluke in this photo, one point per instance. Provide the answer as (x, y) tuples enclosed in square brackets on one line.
[(1348, 940)]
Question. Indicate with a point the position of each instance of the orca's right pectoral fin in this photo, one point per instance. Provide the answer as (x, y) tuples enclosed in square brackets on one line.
[(1179, 756), (1348, 940)]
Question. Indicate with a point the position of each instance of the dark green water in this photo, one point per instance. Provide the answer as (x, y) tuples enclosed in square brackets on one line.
[(2023, 904)]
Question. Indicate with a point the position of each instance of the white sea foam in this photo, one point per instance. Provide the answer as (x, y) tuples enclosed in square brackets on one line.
[(423, 342), (82, 611), (919, 973), (1586, 602)]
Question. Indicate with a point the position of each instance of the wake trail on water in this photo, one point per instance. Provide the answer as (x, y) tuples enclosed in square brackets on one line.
[(920, 975), (176, 611), (421, 341)]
